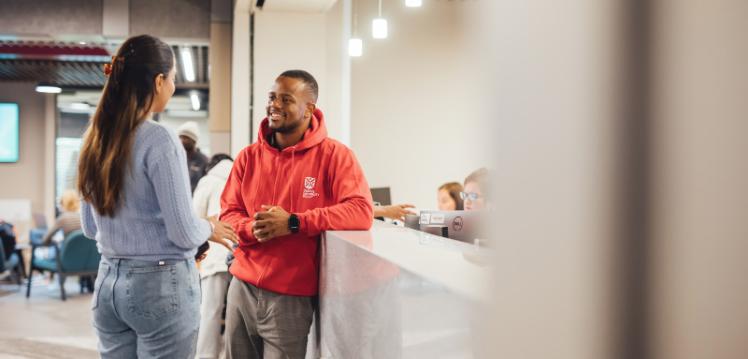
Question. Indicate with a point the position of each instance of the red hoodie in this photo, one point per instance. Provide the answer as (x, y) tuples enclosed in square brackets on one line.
[(318, 179)]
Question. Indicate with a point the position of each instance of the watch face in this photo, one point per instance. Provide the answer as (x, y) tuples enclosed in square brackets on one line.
[(293, 223)]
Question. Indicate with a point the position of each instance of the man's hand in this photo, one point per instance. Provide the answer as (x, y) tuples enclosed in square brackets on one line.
[(271, 223)]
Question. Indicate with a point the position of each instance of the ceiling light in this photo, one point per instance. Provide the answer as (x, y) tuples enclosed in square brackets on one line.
[(48, 89), (355, 47), (379, 28), (379, 25), (195, 101), (413, 3), (189, 68)]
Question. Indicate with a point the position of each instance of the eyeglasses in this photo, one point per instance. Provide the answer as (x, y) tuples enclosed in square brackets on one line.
[(469, 196)]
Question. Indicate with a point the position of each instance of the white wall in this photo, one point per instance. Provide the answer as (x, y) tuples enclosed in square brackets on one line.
[(285, 41), (416, 119), (309, 41), (337, 74)]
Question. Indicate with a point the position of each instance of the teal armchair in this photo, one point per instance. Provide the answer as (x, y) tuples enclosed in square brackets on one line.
[(77, 255)]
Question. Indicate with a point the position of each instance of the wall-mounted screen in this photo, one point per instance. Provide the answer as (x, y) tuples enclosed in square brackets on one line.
[(9, 123)]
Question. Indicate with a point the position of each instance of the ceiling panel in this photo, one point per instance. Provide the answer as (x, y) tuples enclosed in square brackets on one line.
[(78, 66)]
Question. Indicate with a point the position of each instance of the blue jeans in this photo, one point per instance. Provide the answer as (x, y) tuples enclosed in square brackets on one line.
[(144, 309)]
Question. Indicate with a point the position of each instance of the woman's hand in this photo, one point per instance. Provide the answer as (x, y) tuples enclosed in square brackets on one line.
[(223, 234), (395, 211)]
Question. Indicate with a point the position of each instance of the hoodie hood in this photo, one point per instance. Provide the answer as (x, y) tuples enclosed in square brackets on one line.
[(314, 135), (222, 169)]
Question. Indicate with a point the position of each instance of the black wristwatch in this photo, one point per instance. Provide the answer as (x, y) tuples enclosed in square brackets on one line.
[(293, 223)]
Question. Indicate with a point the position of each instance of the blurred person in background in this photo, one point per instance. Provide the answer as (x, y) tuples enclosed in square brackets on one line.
[(475, 191), (8, 237), (197, 162), (69, 219), (448, 197), (214, 275)]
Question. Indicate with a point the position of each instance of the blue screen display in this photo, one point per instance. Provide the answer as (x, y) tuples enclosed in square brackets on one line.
[(9, 122)]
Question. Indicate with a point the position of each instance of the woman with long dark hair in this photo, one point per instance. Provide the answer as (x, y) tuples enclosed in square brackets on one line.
[(136, 204)]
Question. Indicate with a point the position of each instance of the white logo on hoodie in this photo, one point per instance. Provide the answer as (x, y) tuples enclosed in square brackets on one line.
[(309, 183)]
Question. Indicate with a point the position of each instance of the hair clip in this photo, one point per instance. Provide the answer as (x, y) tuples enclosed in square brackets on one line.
[(108, 67)]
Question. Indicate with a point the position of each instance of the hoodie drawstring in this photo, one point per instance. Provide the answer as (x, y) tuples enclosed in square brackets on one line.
[(293, 158), (275, 183), (257, 183)]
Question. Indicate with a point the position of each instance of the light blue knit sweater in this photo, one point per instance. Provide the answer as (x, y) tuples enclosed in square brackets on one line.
[(154, 220)]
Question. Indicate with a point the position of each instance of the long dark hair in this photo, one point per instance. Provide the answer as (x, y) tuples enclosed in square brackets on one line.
[(127, 98)]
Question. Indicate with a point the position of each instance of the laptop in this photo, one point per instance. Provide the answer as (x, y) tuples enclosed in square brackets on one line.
[(463, 226), (381, 196)]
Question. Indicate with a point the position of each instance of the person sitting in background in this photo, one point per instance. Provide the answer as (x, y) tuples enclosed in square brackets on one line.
[(8, 237), (196, 160), (69, 219), (395, 211), (214, 276), (448, 197), (475, 191)]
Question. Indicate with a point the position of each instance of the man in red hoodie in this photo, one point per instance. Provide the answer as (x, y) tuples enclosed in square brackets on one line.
[(283, 192)]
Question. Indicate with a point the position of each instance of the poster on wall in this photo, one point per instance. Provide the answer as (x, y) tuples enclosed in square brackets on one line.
[(9, 122)]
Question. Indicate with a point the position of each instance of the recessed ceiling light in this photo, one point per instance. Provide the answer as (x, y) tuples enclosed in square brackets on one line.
[(48, 89), (189, 67)]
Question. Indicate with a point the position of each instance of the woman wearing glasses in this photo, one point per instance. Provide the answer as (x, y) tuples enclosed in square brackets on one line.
[(475, 190)]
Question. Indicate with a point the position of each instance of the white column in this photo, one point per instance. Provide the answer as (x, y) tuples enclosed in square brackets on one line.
[(50, 127), (240, 85)]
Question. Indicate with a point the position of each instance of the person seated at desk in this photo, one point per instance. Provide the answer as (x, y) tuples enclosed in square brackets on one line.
[(475, 191), (448, 197), (69, 220)]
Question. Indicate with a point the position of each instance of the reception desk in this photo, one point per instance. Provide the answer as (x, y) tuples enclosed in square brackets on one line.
[(394, 292)]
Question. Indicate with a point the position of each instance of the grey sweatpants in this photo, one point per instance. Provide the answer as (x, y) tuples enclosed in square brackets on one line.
[(266, 325)]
